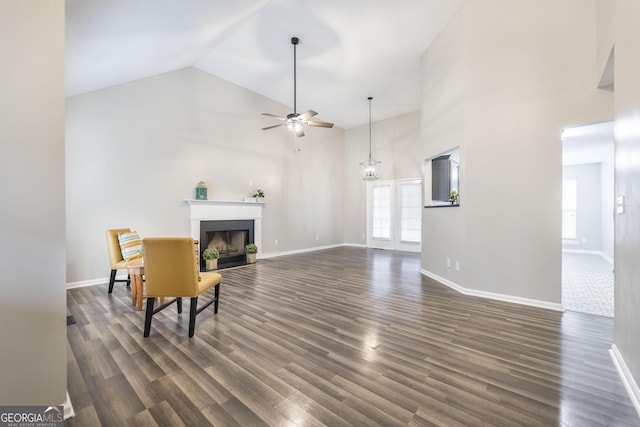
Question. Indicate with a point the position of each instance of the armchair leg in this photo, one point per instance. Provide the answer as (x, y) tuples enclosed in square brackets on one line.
[(148, 316), (217, 297), (193, 307), (112, 280), (179, 304)]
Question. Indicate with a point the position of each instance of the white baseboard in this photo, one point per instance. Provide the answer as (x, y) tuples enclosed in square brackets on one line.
[(607, 258), (492, 295), (298, 251), (105, 280), (68, 408), (92, 282), (355, 245), (627, 379), (583, 251)]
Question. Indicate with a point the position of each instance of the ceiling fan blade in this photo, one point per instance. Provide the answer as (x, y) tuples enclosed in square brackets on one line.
[(274, 126), (319, 124), (307, 115), (273, 115), (299, 132)]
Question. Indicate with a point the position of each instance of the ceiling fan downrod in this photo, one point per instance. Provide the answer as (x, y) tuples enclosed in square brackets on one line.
[(294, 42)]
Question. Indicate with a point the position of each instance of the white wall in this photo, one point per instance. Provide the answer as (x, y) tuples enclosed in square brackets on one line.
[(607, 205), (443, 128), (589, 206), (136, 151), (627, 146), (524, 78), (396, 143), (33, 303)]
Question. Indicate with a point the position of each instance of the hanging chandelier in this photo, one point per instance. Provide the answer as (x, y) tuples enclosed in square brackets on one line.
[(370, 167)]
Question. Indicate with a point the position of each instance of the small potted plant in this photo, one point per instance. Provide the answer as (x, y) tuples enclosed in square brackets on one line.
[(210, 256), (257, 196), (251, 251), (453, 197)]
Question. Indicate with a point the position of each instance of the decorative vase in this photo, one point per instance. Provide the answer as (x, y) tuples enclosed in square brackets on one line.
[(251, 258), (211, 264)]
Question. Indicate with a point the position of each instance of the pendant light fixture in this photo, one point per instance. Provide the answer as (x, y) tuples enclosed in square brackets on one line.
[(370, 167)]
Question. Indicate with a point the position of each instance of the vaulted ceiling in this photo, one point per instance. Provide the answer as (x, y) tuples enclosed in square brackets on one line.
[(349, 49)]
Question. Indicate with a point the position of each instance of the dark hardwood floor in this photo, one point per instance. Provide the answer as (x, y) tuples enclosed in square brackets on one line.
[(340, 337)]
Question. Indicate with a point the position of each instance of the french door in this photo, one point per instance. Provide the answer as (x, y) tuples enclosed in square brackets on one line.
[(394, 215)]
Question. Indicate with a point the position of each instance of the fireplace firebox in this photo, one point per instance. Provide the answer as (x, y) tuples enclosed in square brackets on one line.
[(229, 237)]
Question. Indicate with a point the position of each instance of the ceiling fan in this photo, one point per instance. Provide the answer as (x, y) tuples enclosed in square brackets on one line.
[(296, 120)]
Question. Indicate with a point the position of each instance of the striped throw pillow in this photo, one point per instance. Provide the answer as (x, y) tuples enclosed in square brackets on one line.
[(130, 245)]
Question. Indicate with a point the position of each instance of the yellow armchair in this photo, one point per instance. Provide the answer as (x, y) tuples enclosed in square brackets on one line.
[(115, 256), (171, 270)]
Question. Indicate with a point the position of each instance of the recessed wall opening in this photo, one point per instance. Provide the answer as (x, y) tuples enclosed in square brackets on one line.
[(442, 179)]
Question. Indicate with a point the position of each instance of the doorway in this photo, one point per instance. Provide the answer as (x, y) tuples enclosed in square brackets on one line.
[(587, 218), (394, 214)]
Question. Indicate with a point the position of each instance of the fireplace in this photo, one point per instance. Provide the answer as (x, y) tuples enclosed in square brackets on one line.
[(211, 213), (229, 237)]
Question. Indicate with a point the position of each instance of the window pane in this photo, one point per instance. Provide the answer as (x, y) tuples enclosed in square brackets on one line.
[(410, 212), (569, 204), (381, 218)]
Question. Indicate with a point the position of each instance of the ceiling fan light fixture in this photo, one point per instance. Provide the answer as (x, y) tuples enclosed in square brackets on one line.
[(370, 167), (296, 127), (296, 121)]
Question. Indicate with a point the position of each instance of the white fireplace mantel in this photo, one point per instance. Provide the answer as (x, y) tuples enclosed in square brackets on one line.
[(221, 210)]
